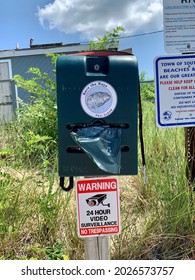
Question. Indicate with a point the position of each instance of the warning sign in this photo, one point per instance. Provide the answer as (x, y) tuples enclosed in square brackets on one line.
[(98, 210)]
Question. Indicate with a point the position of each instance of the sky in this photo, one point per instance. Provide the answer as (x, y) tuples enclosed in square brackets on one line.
[(79, 21)]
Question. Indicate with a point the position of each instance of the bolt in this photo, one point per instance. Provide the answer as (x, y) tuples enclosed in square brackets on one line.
[(96, 67)]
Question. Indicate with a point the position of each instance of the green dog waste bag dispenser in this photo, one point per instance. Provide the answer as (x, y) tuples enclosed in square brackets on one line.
[(97, 100)]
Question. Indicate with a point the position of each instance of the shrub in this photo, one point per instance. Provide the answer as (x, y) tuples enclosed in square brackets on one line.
[(35, 125)]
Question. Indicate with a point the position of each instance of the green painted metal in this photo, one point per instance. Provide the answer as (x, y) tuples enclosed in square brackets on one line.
[(74, 73)]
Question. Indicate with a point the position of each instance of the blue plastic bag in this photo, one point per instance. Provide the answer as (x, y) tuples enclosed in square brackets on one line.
[(102, 144)]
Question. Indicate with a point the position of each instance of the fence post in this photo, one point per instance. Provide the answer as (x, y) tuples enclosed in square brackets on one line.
[(190, 153), (190, 156)]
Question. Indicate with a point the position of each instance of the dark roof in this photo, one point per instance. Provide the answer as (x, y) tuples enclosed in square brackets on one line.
[(53, 45), (44, 46)]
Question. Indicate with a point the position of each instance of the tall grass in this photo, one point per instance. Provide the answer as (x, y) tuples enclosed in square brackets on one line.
[(38, 220), (159, 216)]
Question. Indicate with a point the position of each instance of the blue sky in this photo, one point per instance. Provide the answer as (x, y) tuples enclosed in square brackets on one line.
[(73, 21)]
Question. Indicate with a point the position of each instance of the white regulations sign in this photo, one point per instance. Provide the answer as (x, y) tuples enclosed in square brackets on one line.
[(175, 90), (179, 25), (98, 210)]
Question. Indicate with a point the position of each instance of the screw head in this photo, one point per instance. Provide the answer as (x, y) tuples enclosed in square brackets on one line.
[(96, 67)]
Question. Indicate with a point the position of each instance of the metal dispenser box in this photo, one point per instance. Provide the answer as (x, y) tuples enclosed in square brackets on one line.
[(81, 80)]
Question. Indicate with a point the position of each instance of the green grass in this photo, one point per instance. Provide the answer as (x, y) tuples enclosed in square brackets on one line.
[(38, 220)]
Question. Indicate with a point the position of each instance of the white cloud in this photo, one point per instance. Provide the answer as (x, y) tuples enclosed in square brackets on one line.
[(92, 18)]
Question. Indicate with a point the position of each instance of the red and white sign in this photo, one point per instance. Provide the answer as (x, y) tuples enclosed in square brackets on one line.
[(98, 210)]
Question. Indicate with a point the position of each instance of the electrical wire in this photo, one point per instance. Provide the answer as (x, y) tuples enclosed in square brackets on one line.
[(142, 34), (141, 134), (130, 36)]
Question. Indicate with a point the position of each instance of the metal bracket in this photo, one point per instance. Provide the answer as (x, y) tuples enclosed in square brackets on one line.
[(71, 184)]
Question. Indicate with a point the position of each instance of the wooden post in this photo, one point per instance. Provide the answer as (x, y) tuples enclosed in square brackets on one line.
[(190, 154), (97, 248)]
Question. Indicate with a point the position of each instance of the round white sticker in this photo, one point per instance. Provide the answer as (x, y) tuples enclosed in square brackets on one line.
[(98, 99)]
